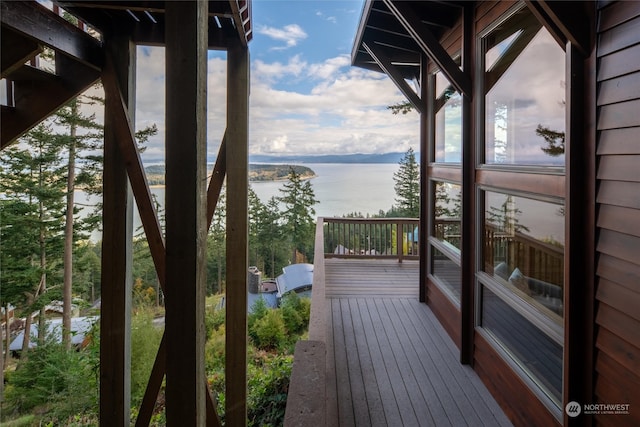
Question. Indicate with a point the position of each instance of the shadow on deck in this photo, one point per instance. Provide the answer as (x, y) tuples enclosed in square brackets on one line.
[(376, 356)]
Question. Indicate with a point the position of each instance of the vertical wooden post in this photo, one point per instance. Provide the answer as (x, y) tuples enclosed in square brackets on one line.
[(115, 317), (186, 125), (237, 234), (467, 253), (427, 141)]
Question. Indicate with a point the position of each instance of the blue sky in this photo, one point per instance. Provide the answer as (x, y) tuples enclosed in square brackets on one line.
[(306, 98)]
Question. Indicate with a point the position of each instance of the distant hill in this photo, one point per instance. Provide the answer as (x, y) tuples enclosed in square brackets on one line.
[(261, 172), (330, 158)]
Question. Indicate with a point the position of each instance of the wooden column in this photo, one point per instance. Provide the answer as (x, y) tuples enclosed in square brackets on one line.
[(237, 234), (115, 317), (186, 124), (427, 126), (468, 250)]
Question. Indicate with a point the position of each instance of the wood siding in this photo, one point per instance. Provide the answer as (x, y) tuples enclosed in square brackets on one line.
[(617, 340)]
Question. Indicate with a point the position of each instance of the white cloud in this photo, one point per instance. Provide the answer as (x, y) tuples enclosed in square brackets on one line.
[(289, 34), (342, 110)]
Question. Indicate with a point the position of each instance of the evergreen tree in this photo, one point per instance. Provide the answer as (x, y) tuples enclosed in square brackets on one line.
[(298, 199), (407, 185), (216, 245), (33, 183), (83, 135)]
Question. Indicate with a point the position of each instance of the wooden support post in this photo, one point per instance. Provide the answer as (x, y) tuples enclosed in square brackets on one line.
[(186, 124), (467, 254), (427, 137), (237, 234), (115, 317)]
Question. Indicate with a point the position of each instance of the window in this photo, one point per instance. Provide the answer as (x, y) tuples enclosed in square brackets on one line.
[(448, 122), (520, 227), (523, 244), (445, 238), (524, 87)]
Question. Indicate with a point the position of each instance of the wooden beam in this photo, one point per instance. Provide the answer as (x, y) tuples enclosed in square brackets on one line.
[(404, 12), (123, 128), (427, 126), (35, 100), (115, 317), (16, 51), (393, 73), (47, 28), (186, 125), (237, 235), (566, 21), (217, 180), (153, 386)]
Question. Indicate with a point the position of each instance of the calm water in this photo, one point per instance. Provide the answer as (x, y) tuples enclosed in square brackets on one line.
[(340, 189), (367, 188)]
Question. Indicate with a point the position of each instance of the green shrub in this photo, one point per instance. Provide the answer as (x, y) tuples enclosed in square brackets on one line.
[(54, 382), (145, 340), (267, 389), (269, 331)]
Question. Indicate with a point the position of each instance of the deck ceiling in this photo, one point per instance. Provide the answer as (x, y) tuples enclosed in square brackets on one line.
[(32, 94), (379, 26), (144, 21)]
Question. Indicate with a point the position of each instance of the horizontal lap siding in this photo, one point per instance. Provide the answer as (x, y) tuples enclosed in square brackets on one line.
[(617, 352)]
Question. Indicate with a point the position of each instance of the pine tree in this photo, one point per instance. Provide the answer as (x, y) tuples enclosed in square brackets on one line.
[(33, 185), (298, 199), (407, 186)]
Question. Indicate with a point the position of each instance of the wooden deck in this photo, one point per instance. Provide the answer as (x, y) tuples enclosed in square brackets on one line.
[(389, 361)]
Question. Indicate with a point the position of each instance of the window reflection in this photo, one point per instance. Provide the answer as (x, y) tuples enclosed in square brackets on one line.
[(448, 129), (447, 213), (524, 249), (536, 352), (447, 271), (524, 86)]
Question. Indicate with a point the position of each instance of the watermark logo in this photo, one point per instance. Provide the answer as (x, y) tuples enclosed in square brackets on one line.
[(573, 409)]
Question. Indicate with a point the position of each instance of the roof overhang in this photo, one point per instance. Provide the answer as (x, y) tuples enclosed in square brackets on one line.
[(144, 21), (380, 32)]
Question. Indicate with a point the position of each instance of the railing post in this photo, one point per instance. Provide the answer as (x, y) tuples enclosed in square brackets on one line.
[(399, 240)]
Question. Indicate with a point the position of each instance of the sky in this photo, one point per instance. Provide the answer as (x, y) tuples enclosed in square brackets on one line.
[(305, 98)]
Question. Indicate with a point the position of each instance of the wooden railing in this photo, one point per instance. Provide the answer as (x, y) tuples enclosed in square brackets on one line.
[(534, 258), (371, 238)]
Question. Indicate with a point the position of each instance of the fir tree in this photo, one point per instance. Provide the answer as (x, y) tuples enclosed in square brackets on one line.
[(299, 215), (407, 186)]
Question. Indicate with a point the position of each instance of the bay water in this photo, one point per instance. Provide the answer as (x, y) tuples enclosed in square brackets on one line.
[(339, 188)]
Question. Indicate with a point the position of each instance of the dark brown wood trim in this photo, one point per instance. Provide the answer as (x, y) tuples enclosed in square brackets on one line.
[(579, 230), (446, 312), (217, 180), (186, 123), (427, 86), (137, 177), (43, 26), (430, 45), (393, 73), (445, 173), (547, 185), (153, 386), (467, 294), (117, 219), (237, 235), (517, 400), (566, 22)]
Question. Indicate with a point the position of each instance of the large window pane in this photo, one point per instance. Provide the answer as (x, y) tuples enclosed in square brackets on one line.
[(447, 271), (524, 249), (537, 354), (524, 86), (448, 130), (448, 202)]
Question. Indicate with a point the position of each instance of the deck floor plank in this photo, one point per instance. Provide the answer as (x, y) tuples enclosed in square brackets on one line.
[(393, 363)]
